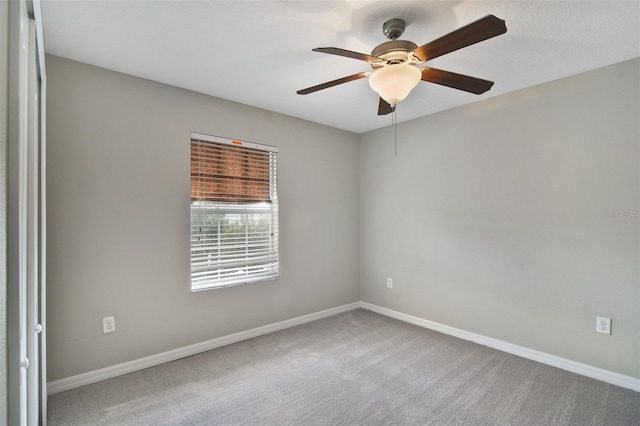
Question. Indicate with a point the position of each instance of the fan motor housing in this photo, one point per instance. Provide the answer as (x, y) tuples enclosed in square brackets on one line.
[(395, 51)]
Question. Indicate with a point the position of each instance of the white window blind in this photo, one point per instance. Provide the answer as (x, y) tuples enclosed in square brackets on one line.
[(234, 212)]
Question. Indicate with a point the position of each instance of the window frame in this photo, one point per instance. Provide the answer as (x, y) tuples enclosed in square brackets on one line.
[(238, 209)]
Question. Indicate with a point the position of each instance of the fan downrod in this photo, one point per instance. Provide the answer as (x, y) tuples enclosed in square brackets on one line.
[(393, 28)]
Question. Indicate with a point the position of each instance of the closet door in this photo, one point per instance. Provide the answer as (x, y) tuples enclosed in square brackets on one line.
[(25, 217), (35, 285)]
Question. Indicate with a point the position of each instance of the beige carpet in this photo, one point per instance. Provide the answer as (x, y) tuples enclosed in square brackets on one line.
[(356, 368)]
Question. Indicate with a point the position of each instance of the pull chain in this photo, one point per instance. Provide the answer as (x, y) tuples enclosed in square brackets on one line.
[(395, 133)]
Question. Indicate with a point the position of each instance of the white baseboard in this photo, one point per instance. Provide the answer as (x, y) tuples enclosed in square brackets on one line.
[(84, 379), (90, 377), (542, 357)]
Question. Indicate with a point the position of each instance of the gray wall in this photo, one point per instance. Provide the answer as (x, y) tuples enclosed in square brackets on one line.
[(118, 218), (515, 217), (4, 97)]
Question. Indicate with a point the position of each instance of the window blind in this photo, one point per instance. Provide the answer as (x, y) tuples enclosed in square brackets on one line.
[(234, 213), (229, 173)]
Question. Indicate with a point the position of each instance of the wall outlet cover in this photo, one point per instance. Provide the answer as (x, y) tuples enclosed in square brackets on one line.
[(108, 324), (603, 325)]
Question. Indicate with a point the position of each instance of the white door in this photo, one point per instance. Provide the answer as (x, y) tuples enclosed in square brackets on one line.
[(35, 228), (26, 213)]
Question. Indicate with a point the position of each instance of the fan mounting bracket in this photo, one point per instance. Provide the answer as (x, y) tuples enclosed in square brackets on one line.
[(393, 28)]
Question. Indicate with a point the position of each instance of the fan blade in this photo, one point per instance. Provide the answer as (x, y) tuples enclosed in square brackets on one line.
[(332, 83), (384, 108), (475, 32), (456, 81), (347, 53)]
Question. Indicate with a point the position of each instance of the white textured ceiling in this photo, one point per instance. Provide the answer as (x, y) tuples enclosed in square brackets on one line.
[(259, 52)]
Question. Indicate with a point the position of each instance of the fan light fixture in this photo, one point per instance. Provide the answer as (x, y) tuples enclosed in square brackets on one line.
[(397, 64), (394, 82)]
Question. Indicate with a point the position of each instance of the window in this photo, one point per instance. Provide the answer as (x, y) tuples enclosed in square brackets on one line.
[(234, 212)]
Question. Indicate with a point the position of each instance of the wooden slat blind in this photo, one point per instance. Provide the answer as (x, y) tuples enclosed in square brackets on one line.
[(229, 174)]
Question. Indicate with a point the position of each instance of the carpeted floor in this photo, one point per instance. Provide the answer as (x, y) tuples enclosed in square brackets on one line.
[(356, 368)]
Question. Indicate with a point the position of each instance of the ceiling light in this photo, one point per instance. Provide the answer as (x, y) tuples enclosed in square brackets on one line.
[(394, 82)]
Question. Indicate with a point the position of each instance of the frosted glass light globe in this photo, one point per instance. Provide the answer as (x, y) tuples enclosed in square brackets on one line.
[(394, 82)]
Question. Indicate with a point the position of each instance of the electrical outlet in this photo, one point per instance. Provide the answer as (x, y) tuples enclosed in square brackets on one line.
[(389, 283), (603, 325), (108, 324)]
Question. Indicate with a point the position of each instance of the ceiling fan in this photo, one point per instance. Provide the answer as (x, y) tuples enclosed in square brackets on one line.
[(398, 64)]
